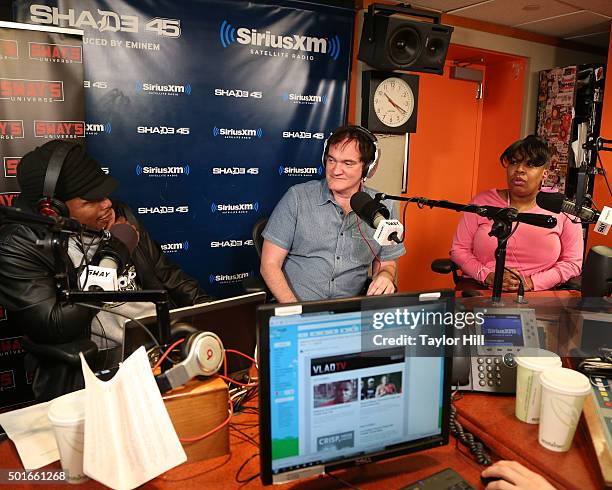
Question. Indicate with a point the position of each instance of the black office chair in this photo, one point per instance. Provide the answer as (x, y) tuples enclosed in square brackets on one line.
[(256, 284)]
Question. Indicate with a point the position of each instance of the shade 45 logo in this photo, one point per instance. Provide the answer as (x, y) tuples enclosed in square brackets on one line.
[(229, 278), (304, 98), (11, 129), (56, 53), (235, 170), (7, 198), (237, 133), (94, 129), (163, 210), (9, 49), (239, 208), (303, 135), (231, 243), (59, 129), (162, 130), (163, 89), (26, 90), (10, 165), (162, 171), (175, 247), (237, 93), (292, 171), (103, 21)]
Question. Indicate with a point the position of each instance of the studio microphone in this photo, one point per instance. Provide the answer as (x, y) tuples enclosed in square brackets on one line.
[(375, 214), (112, 257), (556, 202)]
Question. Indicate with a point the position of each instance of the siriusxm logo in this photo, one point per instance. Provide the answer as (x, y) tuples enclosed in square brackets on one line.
[(304, 99), (106, 170), (159, 89), (241, 208), (296, 42), (92, 129), (163, 210), (158, 171), (221, 92), (303, 135), (175, 247), (228, 278), (237, 133), (164, 130), (235, 170), (231, 243), (300, 171)]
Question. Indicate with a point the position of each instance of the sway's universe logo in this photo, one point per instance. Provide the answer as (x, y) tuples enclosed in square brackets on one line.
[(7, 198), (10, 346), (56, 53), (163, 210), (229, 278), (304, 98), (103, 21), (239, 208), (7, 380), (25, 90), (9, 49), (11, 129), (163, 89), (163, 130), (288, 44), (231, 243), (10, 166), (290, 171), (94, 129), (303, 135), (237, 133), (170, 248), (237, 93), (3, 315), (162, 171), (59, 129), (235, 170)]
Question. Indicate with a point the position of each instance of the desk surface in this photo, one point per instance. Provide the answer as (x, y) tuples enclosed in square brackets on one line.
[(490, 418)]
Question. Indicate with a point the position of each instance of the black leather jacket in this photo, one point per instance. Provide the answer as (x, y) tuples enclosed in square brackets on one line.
[(28, 288)]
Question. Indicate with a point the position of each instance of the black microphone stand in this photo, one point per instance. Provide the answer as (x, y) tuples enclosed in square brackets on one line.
[(501, 228)]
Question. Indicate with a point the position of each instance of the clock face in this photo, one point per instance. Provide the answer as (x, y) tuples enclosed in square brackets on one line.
[(393, 102)]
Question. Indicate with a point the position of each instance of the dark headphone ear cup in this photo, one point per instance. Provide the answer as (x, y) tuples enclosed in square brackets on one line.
[(186, 346), (182, 330)]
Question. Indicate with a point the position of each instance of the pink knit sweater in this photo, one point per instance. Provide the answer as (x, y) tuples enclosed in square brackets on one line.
[(549, 256)]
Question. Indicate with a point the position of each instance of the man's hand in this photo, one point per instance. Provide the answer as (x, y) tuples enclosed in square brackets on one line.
[(382, 283), (514, 476)]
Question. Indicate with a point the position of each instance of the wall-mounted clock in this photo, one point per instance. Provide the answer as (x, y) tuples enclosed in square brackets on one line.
[(389, 102)]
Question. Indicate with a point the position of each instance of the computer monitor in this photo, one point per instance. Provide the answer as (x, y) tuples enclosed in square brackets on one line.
[(232, 319), (351, 381)]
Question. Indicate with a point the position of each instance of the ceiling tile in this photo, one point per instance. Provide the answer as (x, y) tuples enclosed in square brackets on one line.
[(565, 25), (599, 6), (510, 13), (601, 40), (443, 5)]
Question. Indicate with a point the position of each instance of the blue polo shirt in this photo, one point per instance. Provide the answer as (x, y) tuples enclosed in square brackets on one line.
[(328, 256)]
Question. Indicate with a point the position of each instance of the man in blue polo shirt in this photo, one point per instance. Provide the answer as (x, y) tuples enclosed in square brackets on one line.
[(315, 246)]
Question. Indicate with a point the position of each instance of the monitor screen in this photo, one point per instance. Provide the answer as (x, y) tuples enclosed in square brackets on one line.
[(502, 330), (337, 390)]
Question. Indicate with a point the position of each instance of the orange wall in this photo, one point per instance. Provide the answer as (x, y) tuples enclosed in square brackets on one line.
[(600, 193)]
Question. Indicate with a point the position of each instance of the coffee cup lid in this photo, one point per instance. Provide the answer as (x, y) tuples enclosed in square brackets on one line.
[(565, 381), (68, 409), (538, 359)]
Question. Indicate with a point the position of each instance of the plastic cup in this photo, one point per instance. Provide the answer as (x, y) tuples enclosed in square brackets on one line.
[(531, 363), (563, 394), (67, 415)]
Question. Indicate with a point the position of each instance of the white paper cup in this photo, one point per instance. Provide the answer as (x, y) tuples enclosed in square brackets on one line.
[(563, 394), (67, 415), (531, 363)]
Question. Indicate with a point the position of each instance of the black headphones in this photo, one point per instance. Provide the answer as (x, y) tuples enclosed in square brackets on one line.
[(48, 205), (201, 355), (368, 167)]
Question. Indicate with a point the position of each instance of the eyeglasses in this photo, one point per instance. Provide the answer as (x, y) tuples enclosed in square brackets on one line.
[(512, 163)]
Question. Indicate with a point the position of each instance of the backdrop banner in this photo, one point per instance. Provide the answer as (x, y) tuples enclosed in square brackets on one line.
[(207, 111)]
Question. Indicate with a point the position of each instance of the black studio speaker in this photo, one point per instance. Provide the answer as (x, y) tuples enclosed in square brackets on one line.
[(395, 43)]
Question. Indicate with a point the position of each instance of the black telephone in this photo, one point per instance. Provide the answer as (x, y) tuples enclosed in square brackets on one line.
[(500, 334)]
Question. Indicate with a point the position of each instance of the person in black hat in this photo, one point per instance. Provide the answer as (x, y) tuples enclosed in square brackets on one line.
[(59, 178)]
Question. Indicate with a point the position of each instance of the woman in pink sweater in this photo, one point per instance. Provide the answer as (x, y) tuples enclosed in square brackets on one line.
[(542, 257)]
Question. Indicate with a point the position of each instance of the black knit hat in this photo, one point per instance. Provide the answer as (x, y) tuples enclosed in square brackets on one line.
[(80, 176)]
